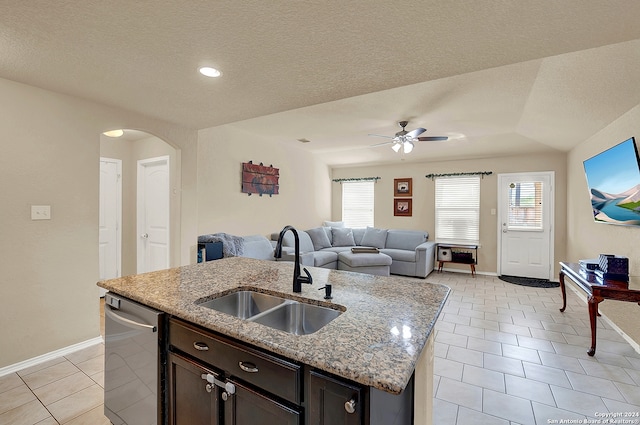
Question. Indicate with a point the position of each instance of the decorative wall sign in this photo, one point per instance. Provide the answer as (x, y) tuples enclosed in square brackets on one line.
[(259, 179), (402, 187), (402, 207)]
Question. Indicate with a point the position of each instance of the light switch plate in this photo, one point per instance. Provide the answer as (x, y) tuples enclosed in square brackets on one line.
[(40, 212)]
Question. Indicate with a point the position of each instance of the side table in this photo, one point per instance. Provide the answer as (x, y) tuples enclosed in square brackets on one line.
[(597, 292)]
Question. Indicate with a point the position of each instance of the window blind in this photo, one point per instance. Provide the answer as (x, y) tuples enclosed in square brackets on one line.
[(357, 203), (457, 208), (525, 206)]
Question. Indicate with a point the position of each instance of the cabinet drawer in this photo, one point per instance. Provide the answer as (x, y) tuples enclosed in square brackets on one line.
[(270, 373)]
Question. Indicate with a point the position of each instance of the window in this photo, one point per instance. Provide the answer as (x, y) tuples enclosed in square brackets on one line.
[(357, 203), (525, 206), (458, 209)]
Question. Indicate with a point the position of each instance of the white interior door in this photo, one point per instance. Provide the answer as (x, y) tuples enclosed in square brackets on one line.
[(110, 236), (153, 214), (526, 224)]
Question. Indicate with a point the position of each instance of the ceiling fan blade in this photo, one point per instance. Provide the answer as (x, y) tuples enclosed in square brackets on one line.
[(380, 135), (415, 133), (381, 144), (432, 138)]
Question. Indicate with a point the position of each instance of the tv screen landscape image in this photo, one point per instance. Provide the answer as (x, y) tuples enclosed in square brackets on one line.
[(613, 178)]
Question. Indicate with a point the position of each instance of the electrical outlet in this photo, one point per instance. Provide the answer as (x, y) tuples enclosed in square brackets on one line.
[(40, 212)]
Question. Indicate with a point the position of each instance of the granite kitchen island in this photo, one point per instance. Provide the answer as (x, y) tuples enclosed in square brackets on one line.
[(383, 340)]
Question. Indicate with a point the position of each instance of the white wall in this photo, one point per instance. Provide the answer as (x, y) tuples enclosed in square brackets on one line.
[(305, 185), (588, 239), (49, 268)]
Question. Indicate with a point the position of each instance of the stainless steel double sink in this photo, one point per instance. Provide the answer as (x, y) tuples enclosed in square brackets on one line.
[(294, 317)]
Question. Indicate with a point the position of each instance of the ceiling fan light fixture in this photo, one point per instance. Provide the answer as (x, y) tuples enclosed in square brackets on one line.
[(396, 146), (408, 146)]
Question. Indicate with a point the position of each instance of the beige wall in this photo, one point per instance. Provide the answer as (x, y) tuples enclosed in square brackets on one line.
[(423, 216), (49, 268), (305, 185), (130, 152), (587, 239)]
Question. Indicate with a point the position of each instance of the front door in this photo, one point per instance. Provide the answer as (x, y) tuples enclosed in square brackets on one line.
[(526, 224), (153, 214), (110, 218)]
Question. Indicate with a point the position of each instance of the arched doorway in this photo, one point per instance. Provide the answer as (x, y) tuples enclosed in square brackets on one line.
[(130, 149)]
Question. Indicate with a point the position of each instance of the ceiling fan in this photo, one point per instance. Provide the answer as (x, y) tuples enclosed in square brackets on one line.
[(405, 139)]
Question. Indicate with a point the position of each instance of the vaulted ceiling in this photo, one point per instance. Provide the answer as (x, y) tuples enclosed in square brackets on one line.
[(498, 77)]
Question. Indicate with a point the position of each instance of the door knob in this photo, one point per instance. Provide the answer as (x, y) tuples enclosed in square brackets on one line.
[(145, 235)]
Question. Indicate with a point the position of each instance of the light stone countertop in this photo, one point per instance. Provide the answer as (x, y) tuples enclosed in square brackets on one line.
[(376, 342)]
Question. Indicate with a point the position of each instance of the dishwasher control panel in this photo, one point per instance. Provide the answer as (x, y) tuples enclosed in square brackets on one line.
[(112, 301)]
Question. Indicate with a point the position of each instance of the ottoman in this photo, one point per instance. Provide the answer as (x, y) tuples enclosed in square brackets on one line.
[(377, 264)]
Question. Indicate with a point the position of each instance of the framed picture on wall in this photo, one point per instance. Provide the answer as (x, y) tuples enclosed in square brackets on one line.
[(402, 207), (402, 187)]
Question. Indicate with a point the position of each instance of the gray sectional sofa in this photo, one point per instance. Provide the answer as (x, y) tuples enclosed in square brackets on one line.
[(412, 254)]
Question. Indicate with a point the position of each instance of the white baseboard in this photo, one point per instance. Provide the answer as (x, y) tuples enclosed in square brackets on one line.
[(49, 356)]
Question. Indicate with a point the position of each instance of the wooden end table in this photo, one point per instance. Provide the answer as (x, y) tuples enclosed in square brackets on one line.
[(597, 292)]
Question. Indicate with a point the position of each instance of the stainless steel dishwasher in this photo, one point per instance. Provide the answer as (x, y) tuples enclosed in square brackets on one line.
[(132, 372)]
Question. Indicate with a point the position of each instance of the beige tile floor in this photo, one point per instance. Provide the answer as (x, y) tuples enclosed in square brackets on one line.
[(505, 355)]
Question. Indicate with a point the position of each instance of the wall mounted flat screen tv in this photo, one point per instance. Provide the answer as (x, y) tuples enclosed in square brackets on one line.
[(613, 177)]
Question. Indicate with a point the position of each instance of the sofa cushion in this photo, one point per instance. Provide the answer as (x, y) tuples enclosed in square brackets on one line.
[(405, 239), (400, 254), (338, 249), (322, 258), (258, 247), (363, 260), (374, 237), (333, 224), (319, 238), (306, 245), (329, 234), (342, 236), (358, 234)]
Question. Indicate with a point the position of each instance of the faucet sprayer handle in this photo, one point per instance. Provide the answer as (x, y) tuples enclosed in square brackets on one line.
[(308, 279)]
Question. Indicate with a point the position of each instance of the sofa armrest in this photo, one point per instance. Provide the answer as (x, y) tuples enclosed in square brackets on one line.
[(288, 254), (425, 258)]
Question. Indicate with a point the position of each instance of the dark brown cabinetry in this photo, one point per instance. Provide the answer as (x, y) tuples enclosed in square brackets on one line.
[(333, 401), (250, 407), (192, 399), (213, 380)]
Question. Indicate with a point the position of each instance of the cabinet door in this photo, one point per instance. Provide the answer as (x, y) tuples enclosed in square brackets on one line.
[(248, 407), (333, 402), (191, 399)]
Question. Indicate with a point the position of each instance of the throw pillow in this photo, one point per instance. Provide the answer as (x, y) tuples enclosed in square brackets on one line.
[(319, 238), (342, 236), (374, 237), (333, 224)]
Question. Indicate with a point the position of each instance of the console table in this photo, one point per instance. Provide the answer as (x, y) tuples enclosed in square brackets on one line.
[(457, 253), (597, 292)]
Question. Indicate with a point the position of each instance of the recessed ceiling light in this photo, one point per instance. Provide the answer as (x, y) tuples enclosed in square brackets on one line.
[(114, 133), (303, 140), (207, 71)]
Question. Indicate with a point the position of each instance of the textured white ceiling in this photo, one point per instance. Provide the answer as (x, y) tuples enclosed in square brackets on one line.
[(500, 76)]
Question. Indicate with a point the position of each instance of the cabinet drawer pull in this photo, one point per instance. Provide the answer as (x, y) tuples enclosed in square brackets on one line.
[(350, 406), (248, 367), (200, 346)]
